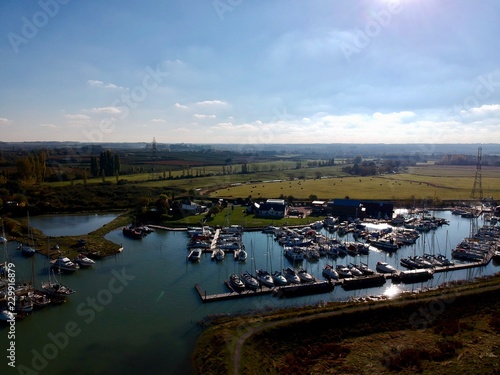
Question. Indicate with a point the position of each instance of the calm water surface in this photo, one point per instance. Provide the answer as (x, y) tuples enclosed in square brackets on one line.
[(137, 312), (70, 225)]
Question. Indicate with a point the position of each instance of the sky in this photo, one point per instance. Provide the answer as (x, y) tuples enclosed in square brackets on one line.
[(250, 72)]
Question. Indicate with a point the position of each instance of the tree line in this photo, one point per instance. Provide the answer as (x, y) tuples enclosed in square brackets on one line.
[(108, 164)]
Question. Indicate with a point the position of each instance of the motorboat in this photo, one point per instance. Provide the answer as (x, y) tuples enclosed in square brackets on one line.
[(219, 254), (294, 253), (312, 254), (84, 261), (343, 271), (384, 267), (265, 278), (3, 239), (64, 264), (194, 255), (291, 276), (304, 276), (385, 245), (279, 279), (329, 272), (6, 316), (236, 283), (240, 255), (249, 281)]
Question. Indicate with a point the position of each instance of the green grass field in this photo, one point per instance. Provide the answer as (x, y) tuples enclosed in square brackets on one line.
[(399, 186), (419, 182)]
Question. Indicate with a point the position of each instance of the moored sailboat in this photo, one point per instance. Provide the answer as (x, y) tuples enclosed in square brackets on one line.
[(236, 283), (250, 281), (291, 276)]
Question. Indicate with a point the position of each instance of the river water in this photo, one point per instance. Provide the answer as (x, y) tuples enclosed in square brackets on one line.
[(138, 312)]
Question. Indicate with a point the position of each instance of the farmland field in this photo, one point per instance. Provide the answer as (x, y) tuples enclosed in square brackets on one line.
[(271, 180), (442, 182)]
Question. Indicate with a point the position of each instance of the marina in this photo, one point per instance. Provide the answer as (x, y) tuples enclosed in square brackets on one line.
[(328, 286), (158, 272), (299, 244)]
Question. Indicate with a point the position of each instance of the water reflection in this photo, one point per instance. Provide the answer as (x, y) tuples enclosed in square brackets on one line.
[(392, 291), (70, 225)]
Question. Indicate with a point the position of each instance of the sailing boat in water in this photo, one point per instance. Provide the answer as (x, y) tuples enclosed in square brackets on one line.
[(28, 249), (38, 298), (3, 265), (278, 277), (53, 287)]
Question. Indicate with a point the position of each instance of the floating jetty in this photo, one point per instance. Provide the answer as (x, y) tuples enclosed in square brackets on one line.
[(415, 276), (231, 295), (304, 289), (283, 291), (364, 281), (347, 284)]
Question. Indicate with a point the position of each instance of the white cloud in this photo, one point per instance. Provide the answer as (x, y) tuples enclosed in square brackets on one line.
[(5, 121), (181, 106), (48, 126), (77, 117), (485, 109), (110, 110), (202, 116), (157, 120), (212, 102), (394, 116), (101, 84)]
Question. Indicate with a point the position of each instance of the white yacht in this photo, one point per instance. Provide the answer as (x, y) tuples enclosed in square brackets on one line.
[(279, 279), (304, 276), (265, 278), (384, 267), (330, 273), (64, 264), (291, 276), (6, 315), (250, 281), (195, 254), (84, 261)]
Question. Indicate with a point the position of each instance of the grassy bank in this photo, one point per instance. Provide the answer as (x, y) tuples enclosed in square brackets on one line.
[(447, 331), (68, 245)]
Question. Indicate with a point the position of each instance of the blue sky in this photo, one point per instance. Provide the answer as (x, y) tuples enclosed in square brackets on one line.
[(241, 71)]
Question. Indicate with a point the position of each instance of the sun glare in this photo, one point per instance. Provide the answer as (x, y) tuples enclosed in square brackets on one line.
[(392, 291)]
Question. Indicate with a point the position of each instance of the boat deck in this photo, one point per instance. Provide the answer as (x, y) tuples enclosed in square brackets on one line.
[(213, 246)]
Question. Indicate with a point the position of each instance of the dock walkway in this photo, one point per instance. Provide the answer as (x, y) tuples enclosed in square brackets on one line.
[(327, 286)]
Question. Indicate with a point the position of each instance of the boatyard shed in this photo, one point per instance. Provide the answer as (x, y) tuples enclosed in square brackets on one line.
[(354, 208), (344, 208)]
